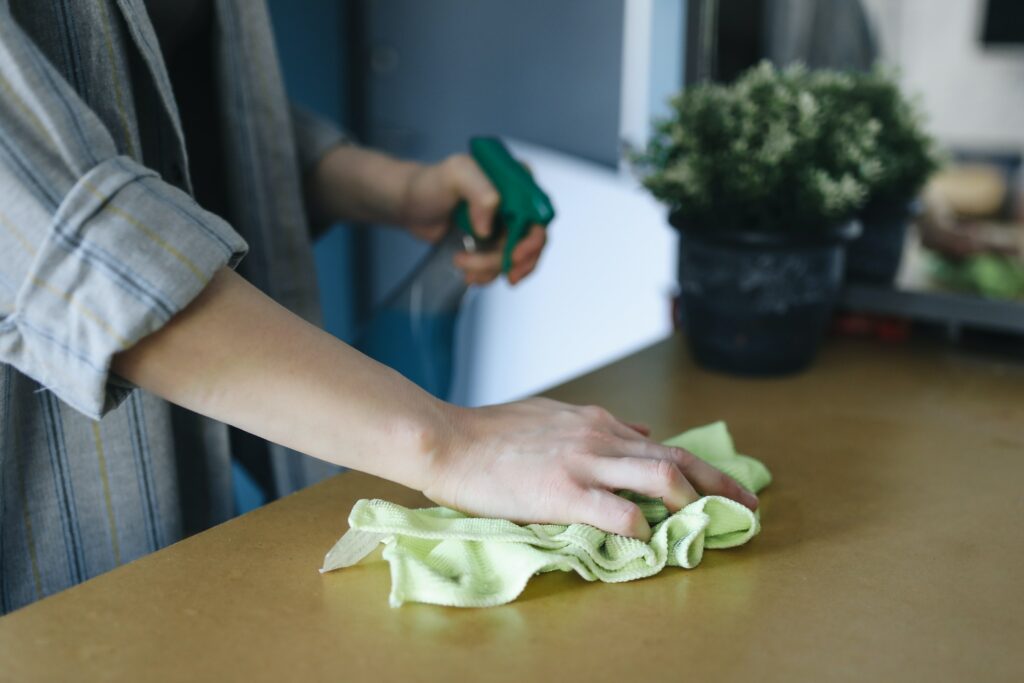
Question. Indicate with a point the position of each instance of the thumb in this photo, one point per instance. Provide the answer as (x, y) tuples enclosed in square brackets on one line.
[(473, 185)]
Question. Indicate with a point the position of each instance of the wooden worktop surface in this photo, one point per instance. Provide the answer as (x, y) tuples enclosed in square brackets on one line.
[(892, 549)]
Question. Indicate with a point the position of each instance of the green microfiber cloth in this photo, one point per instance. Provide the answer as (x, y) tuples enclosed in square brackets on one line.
[(441, 556)]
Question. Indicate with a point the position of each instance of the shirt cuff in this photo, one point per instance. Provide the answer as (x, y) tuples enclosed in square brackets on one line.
[(314, 136), (125, 252)]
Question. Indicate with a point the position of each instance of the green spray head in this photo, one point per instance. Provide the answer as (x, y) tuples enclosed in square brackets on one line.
[(522, 204)]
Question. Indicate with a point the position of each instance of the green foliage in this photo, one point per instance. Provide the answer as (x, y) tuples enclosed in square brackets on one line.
[(783, 150), (906, 155)]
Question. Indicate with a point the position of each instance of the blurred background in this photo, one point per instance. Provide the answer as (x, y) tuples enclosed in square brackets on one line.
[(562, 82), (572, 84)]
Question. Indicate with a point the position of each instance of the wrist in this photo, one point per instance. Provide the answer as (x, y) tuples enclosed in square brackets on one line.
[(434, 436), (447, 446), (355, 183), (394, 181), (411, 174)]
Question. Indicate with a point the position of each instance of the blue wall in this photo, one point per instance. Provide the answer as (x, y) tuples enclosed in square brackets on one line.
[(310, 42)]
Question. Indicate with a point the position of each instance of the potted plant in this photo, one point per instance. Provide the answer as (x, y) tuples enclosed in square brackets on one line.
[(762, 188), (905, 157)]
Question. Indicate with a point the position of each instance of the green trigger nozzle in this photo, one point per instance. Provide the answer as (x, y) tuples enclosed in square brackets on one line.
[(522, 203)]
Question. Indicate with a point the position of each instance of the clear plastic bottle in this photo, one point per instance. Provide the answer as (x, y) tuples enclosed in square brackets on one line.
[(413, 331)]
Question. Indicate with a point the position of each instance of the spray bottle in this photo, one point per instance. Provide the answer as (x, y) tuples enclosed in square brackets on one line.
[(413, 331)]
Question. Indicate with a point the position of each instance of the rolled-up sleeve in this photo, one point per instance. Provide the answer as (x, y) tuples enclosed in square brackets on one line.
[(96, 251), (314, 136)]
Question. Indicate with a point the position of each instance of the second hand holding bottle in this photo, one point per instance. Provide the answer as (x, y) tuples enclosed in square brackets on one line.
[(413, 331)]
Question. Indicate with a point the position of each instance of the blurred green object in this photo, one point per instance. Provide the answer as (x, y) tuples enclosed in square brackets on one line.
[(990, 275), (523, 203)]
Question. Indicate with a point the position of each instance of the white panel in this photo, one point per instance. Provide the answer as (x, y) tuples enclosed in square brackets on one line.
[(652, 65), (635, 109), (974, 96)]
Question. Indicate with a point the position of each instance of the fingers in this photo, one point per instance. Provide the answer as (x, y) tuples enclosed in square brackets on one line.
[(484, 266), (711, 480), (473, 185), (611, 513), (708, 480), (605, 420), (480, 267), (641, 429), (527, 253), (628, 442), (626, 432), (651, 477), (531, 245)]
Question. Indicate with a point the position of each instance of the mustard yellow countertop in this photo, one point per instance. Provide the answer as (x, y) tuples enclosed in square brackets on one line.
[(892, 549)]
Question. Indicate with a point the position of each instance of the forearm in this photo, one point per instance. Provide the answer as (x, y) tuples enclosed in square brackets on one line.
[(237, 356), (358, 184)]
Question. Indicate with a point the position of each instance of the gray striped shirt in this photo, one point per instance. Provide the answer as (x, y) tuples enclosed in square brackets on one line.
[(101, 242)]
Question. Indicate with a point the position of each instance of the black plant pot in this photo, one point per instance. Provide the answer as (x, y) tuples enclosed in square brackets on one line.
[(757, 303), (875, 256)]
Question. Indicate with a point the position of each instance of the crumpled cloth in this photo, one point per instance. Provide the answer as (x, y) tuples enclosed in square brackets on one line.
[(443, 557)]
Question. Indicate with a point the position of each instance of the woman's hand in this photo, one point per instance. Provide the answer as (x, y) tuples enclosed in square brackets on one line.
[(432, 194), (543, 461), (354, 183), (235, 355)]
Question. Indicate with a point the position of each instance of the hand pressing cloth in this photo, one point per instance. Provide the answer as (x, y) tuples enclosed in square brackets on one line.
[(441, 556)]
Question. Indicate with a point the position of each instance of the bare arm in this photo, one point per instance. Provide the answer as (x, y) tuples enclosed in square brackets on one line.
[(235, 355), (358, 184)]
